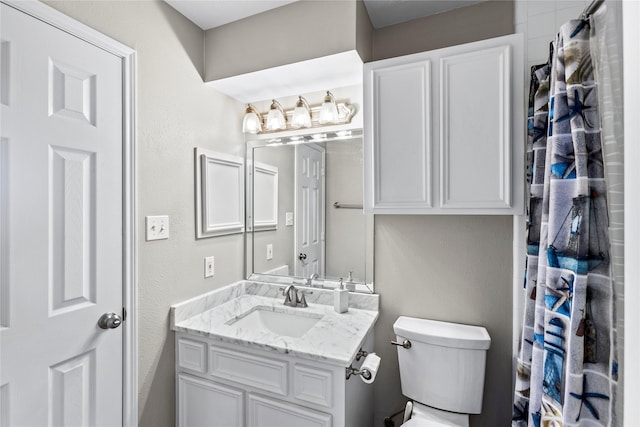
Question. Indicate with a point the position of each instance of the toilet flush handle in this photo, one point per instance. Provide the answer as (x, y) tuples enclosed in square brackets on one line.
[(403, 344)]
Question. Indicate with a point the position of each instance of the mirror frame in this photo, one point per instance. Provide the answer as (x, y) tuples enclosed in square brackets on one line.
[(207, 193), (259, 141)]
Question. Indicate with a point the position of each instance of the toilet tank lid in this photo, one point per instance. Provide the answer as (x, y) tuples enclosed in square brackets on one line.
[(444, 334)]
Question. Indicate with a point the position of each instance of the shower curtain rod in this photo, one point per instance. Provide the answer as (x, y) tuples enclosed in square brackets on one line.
[(589, 10)]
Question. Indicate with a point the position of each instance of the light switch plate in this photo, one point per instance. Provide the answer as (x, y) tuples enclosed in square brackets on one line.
[(269, 251), (288, 218), (208, 266), (157, 227)]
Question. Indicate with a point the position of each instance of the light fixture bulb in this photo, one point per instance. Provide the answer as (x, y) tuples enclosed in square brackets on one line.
[(301, 117), (252, 123), (329, 110), (276, 119)]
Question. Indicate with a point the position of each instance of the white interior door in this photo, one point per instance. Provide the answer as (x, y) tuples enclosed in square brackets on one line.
[(309, 255), (61, 259)]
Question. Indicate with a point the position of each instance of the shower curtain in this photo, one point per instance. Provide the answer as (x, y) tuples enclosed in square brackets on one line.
[(567, 369)]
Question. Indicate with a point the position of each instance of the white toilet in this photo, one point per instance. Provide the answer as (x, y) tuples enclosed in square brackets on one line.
[(441, 369)]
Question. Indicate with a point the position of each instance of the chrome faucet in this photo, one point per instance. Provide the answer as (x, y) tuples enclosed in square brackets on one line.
[(311, 278), (308, 282), (294, 297)]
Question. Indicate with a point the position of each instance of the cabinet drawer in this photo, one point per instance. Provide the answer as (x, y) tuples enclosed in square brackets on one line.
[(192, 355), (263, 412), (313, 385), (260, 372)]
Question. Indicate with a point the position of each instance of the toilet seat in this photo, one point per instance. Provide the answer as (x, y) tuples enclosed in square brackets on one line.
[(425, 416)]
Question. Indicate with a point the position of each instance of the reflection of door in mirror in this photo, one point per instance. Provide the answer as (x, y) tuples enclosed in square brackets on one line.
[(309, 187)]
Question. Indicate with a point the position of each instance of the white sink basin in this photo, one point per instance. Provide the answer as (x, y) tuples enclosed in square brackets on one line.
[(286, 323)]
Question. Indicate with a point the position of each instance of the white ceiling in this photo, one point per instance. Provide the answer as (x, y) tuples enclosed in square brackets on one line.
[(212, 13)]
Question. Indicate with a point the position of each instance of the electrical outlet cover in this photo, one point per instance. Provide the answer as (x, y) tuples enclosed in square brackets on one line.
[(208, 266)]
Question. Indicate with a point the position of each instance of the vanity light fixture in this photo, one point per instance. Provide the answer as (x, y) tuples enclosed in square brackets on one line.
[(301, 116), (276, 119), (329, 110), (252, 123)]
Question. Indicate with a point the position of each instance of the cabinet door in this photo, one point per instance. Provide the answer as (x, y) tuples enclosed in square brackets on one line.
[(263, 412), (398, 101), (204, 403), (467, 99), (475, 129)]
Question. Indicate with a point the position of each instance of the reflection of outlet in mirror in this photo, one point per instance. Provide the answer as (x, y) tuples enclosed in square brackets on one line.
[(288, 218), (269, 251), (157, 227), (208, 266)]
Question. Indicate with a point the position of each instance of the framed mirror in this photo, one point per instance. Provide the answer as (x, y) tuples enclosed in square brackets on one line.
[(320, 228)]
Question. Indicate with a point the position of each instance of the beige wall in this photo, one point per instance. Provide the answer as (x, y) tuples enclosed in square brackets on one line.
[(478, 22), (452, 268), (175, 113)]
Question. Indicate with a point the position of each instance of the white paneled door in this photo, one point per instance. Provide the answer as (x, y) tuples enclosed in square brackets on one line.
[(61, 224), (309, 255)]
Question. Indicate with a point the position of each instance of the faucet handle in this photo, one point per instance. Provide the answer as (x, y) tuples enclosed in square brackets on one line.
[(302, 301)]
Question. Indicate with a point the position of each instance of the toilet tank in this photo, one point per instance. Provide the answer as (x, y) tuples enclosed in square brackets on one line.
[(444, 368)]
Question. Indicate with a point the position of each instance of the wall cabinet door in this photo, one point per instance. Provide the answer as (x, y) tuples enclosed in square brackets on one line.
[(205, 403), (444, 130), (401, 120)]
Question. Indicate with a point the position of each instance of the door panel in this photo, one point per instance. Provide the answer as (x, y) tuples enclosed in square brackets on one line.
[(61, 224), (309, 256)]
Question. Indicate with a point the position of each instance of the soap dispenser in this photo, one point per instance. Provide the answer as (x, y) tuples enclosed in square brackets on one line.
[(341, 299)]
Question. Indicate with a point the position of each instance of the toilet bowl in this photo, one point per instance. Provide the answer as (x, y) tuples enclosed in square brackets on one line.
[(442, 368)]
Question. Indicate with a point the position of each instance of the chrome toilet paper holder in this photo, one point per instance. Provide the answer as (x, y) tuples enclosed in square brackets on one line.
[(360, 354), (366, 374)]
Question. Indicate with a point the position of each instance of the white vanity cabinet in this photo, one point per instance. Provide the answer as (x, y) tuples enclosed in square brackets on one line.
[(225, 385), (444, 130)]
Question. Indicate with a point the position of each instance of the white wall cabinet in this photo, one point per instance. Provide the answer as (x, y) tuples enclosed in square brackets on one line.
[(444, 130), (228, 385)]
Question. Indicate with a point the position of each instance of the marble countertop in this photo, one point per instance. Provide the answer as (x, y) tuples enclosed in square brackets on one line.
[(335, 339)]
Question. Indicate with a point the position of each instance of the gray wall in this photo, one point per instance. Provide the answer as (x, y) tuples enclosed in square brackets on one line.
[(291, 33), (364, 32), (452, 268), (282, 239), (478, 22), (345, 228), (175, 112)]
